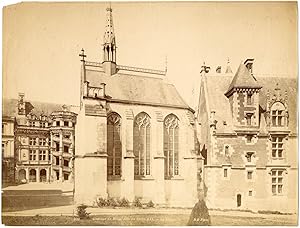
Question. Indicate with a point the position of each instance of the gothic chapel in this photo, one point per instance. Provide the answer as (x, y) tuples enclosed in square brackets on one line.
[(134, 134)]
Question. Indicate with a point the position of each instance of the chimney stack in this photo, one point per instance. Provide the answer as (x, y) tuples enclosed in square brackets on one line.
[(21, 104), (249, 64)]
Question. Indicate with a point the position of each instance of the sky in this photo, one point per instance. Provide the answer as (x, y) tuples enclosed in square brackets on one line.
[(41, 42)]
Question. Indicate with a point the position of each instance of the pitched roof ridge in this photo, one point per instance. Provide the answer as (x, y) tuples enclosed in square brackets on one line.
[(140, 69), (135, 75)]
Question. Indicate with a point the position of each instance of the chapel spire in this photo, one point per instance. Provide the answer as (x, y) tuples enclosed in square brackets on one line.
[(109, 44)]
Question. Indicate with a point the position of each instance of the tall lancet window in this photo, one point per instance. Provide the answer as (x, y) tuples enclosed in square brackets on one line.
[(171, 137), (114, 145), (141, 144)]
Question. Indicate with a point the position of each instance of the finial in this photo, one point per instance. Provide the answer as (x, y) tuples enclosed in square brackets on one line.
[(82, 55), (228, 68), (109, 8), (204, 68), (277, 92)]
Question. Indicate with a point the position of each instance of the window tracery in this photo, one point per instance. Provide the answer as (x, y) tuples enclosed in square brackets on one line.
[(171, 140), (114, 145), (141, 144)]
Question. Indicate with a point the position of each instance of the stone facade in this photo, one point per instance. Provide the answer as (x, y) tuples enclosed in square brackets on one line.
[(42, 140), (249, 141), (8, 149)]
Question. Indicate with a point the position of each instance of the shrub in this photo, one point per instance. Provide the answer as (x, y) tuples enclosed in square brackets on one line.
[(137, 203), (101, 202), (112, 202), (124, 202), (81, 212), (150, 204)]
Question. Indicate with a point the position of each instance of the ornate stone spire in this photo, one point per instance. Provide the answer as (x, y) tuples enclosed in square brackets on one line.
[(109, 35), (109, 45)]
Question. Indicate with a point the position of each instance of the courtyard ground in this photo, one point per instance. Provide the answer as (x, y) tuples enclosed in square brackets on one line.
[(66, 215), (55, 208), (147, 220)]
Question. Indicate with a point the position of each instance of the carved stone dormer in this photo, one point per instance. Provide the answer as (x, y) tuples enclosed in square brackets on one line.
[(277, 108)]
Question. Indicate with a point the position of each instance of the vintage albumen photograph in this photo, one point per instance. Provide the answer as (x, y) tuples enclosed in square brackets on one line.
[(150, 113)]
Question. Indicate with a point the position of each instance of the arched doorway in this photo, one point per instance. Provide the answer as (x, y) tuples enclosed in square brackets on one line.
[(32, 175), (22, 175), (43, 177), (239, 200)]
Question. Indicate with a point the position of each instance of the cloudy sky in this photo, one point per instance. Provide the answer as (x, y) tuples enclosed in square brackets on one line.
[(41, 42)]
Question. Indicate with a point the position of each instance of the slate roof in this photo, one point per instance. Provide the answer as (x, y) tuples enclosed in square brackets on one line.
[(217, 86), (243, 79), (136, 88), (10, 107)]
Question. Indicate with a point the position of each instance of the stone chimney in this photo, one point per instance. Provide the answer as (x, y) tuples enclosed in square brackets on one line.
[(21, 104), (249, 64)]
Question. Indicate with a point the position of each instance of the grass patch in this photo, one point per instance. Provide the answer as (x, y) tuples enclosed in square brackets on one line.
[(145, 220)]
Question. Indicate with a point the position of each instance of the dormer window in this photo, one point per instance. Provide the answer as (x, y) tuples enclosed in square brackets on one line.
[(277, 114), (249, 99)]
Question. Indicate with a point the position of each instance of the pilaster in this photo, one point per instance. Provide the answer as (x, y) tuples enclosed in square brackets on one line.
[(27, 174), (128, 161), (37, 174), (90, 162), (159, 162), (48, 175)]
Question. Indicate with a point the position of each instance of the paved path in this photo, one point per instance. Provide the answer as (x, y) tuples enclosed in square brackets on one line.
[(41, 186), (71, 210)]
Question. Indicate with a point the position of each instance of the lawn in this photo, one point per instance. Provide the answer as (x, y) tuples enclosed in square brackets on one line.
[(149, 220)]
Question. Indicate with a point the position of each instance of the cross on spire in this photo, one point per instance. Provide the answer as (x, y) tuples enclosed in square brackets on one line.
[(82, 55)]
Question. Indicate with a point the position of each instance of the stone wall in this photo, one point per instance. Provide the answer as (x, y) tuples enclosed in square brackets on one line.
[(91, 137), (256, 193)]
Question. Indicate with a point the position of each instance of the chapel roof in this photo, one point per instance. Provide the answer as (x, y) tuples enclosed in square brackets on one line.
[(134, 87)]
